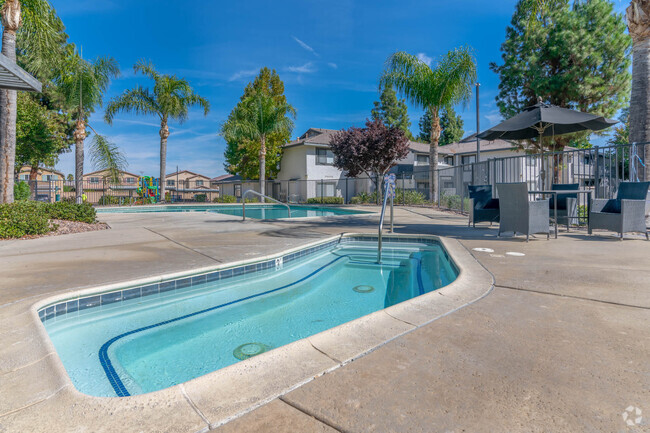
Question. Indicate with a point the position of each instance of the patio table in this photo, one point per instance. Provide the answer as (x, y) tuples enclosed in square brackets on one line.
[(571, 191)]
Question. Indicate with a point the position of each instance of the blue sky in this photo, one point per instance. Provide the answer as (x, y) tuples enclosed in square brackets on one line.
[(328, 53)]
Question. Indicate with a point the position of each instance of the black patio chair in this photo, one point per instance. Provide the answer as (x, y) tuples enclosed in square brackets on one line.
[(625, 213), (482, 207), (567, 204)]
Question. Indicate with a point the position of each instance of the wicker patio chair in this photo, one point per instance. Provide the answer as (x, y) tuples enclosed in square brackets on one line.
[(518, 214), (625, 213)]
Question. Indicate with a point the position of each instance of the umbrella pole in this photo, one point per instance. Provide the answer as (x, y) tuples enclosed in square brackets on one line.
[(541, 147)]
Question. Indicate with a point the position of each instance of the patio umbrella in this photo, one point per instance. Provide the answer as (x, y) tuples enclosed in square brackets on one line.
[(545, 120)]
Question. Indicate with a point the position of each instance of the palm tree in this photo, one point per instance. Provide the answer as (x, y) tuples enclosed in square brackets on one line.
[(447, 83), (38, 26), (638, 24), (82, 84), (258, 116), (170, 99)]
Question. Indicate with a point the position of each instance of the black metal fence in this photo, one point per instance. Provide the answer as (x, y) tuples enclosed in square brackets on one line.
[(599, 169)]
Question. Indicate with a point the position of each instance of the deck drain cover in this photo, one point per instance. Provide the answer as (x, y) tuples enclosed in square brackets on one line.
[(249, 350), (364, 289)]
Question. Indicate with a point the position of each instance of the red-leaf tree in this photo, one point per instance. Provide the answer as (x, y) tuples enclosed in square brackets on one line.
[(372, 150)]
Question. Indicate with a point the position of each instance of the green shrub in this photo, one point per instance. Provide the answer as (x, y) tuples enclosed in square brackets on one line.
[(452, 201), (23, 218), (68, 188), (63, 210), (409, 197), (225, 199), (364, 198), (22, 191), (200, 198), (106, 200), (325, 200)]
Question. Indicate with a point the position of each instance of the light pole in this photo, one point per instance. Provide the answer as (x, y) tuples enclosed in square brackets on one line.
[(478, 126)]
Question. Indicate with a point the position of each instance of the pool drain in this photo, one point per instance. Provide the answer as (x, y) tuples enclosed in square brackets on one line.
[(249, 350), (364, 288)]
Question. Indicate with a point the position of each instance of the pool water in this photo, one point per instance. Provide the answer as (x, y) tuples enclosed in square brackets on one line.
[(259, 211), (152, 342)]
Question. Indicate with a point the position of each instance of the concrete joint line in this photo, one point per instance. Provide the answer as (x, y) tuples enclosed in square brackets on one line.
[(330, 357), (560, 295), (196, 409), (401, 320), (36, 402), (316, 417), (28, 365), (181, 245)]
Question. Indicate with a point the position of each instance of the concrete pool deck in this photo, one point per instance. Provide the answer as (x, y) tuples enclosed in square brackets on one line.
[(560, 344)]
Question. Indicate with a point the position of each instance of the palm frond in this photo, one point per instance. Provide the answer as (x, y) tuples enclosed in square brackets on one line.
[(146, 68), (456, 73), (107, 156), (83, 83), (411, 77), (138, 101)]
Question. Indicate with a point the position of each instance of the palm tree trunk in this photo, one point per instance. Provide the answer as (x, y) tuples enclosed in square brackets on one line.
[(433, 154), (262, 167), (639, 119), (11, 21), (164, 134), (79, 137), (640, 100)]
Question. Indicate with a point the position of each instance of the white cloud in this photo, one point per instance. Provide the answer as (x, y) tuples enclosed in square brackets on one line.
[(493, 117), (425, 59), (305, 46), (332, 65), (307, 68), (243, 74)]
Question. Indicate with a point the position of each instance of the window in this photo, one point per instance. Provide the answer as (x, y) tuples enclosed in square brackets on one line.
[(325, 189), (48, 177), (94, 180), (199, 183), (171, 182), (324, 157), (466, 160), (23, 177), (422, 159), (449, 160), (129, 179)]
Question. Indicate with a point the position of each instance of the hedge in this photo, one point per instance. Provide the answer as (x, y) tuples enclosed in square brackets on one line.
[(24, 218), (325, 200), (225, 199)]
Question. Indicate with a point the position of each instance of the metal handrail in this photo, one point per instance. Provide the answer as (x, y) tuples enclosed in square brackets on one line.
[(381, 221), (252, 191)]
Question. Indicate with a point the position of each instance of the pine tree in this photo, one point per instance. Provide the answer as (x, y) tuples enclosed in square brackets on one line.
[(242, 156), (577, 57), (392, 111), (451, 125)]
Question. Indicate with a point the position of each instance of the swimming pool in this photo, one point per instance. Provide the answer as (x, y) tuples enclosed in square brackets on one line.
[(256, 211), (143, 339)]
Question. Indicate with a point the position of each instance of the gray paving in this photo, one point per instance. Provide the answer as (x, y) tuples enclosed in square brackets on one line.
[(561, 344)]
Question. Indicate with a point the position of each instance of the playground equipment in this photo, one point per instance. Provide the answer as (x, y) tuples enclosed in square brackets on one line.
[(149, 189)]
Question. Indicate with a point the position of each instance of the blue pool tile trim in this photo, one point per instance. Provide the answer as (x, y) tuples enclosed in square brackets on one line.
[(107, 365), (71, 306)]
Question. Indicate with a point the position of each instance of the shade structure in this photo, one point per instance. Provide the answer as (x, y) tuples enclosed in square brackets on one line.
[(14, 77), (545, 120)]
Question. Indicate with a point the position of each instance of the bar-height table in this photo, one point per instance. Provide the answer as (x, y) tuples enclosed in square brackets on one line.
[(555, 194)]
